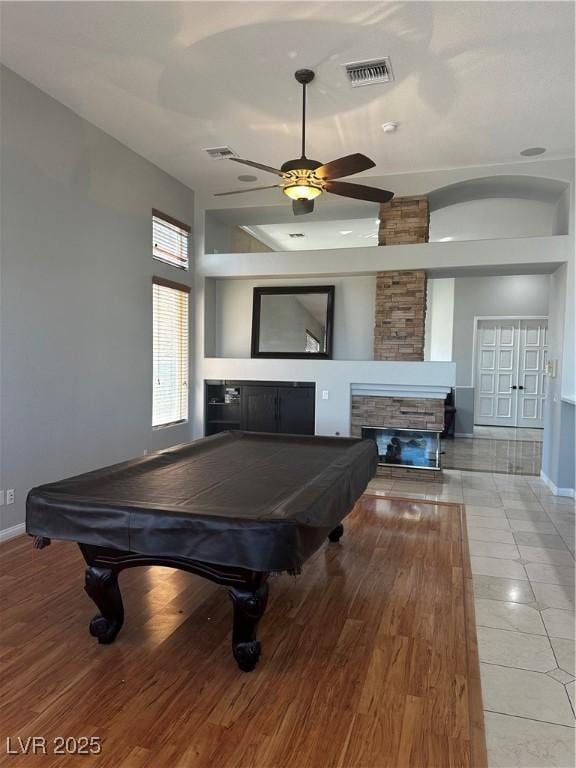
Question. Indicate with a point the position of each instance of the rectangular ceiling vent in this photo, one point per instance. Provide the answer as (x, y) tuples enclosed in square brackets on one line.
[(220, 153), (296, 234), (369, 72)]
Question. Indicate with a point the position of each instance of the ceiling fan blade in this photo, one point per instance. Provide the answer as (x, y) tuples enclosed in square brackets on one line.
[(252, 189), (358, 191), (345, 166), (299, 207), (260, 167)]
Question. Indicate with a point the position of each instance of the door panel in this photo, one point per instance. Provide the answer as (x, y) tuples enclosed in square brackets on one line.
[(504, 407), (497, 358), (533, 339), (296, 410), (506, 360), (507, 335), (259, 409)]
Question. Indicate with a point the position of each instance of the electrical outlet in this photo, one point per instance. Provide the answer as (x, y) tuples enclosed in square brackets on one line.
[(10, 496)]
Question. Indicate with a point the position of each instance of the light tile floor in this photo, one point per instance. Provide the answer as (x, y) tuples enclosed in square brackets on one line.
[(510, 433), (488, 454), (522, 552)]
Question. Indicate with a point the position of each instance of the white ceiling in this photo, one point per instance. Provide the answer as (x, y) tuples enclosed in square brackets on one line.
[(341, 233), (476, 82)]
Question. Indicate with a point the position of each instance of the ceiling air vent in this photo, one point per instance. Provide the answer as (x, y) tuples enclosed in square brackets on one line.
[(220, 153), (369, 72), (296, 234)]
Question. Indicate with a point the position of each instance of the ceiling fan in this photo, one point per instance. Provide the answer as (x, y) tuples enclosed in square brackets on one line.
[(303, 179)]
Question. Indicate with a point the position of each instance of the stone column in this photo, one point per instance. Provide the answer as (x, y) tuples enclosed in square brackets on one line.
[(400, 315), (404, 220)]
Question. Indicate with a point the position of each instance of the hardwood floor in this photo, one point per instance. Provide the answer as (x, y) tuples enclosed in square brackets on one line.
[(369, 657)]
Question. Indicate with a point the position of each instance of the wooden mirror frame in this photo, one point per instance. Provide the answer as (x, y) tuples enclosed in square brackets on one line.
[(328, 290)]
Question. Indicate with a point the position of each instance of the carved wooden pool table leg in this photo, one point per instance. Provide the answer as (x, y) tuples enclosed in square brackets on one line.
[(248, 590), (249, 605), (102, 586), (337, 533)]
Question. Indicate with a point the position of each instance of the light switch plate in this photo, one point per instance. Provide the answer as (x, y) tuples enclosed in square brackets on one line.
[(324, 394)]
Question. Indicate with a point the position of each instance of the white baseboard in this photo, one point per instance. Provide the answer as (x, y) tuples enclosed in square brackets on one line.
[(463, 434), (569, 492), (11, 533)]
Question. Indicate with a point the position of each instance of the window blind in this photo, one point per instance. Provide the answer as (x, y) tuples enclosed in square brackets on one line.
[(169, 240), (170, 353)]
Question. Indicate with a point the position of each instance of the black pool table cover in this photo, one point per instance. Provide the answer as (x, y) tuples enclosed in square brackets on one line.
[(263, 502)]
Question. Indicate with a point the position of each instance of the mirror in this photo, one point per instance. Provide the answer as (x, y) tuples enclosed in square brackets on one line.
[(293, 322)]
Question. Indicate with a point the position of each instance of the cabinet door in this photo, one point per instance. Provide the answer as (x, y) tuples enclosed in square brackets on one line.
[(259, 408), (296, 410)]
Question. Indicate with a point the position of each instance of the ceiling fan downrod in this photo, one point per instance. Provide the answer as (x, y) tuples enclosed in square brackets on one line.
[(304, 179), (304, 76)]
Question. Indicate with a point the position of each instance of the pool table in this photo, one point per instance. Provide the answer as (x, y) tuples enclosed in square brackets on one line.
[(233, 508)]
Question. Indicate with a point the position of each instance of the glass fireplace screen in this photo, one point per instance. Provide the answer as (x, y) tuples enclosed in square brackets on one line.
[(406, 447)]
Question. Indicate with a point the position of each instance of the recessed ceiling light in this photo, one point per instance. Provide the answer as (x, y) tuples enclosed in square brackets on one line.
[(345, 231), (531, 151), (247, 177), (390, 127)]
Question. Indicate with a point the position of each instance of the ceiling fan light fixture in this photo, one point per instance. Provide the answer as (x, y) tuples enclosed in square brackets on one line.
[(304, 179), (302, 191)]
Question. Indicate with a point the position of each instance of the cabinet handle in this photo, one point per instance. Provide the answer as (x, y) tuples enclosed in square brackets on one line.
[(520, 386), (514, 386)]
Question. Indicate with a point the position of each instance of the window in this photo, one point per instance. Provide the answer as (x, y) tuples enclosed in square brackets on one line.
[(170, 352), (312, 343), (170, 240)]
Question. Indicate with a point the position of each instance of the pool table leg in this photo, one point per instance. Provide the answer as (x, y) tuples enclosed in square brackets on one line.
[(337, 533), (102, 586), (249, 606)]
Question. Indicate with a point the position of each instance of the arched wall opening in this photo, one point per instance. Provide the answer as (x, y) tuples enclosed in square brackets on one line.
[(499, 207)]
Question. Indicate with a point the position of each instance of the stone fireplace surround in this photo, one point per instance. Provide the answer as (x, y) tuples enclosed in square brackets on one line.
[(420, 413)]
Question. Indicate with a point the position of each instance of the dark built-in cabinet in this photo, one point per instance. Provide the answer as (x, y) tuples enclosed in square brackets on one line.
[(285, 407)]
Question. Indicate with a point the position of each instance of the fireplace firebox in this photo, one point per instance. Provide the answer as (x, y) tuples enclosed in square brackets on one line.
[(412, 448)]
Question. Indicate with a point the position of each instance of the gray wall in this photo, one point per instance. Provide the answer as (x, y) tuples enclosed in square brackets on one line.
[(229, 315), (495, 217), (218, 234), (558, 446), (464, 402), (519, 295), (76, 294)]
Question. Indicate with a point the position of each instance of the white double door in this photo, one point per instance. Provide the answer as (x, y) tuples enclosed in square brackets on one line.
[(511, 357)]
